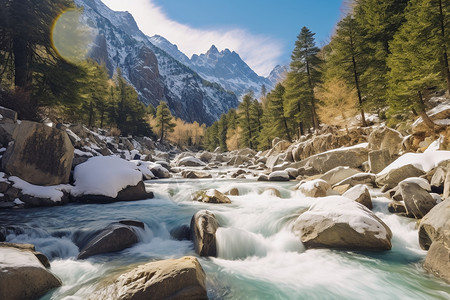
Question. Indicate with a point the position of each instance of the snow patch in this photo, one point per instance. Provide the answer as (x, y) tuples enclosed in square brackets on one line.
[(54, 192), (424, 161)]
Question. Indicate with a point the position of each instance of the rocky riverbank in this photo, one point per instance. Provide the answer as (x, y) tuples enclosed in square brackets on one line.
[(47, 166)]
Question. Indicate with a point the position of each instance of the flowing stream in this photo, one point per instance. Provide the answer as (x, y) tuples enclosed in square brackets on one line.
[(258, 255)]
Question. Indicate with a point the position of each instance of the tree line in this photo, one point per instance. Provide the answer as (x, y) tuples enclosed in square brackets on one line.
[(385, 57)]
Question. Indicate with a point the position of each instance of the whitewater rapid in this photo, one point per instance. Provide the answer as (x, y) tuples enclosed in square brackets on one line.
[(258, 255)]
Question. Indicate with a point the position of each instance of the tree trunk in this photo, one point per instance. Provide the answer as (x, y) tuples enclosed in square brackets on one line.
[(426, 119), (445, 50)]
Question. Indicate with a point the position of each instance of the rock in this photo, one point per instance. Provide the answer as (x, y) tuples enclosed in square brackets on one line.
[(130, 193), (115, 237), (7, 113), (419, 125), (232, 192), (337, 222), (352, 157), (23, 276), (203, 233), (314, 188), (272, 192), (338, 174), (280, 147), (190, 161), (205, 156), (434, 236), (422, 182), (446, 193), (159, 171), (386, 138), (379, 159), (293, 173), (263, 177), (341, 189), (360, 178), (175, 279), (181, 233), (360, 193), (195, 175), (246, 152), (307, 171), (237, 173), (239, 160), (418, 202), (40, 155), (279, 176), (438, 180), (275, 141), (397, 207), (29, 247), (211, 196), (394, 176)]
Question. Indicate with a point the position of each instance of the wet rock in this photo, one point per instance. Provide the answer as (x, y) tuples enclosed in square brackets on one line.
[(418, 202), (232, 192), (175, 279), (40, 155), (115, 237), (22, 275), (211, 196), (360, 193), (129, 193), (181, 233), (397, 207), (263, 177), (203, 233), (272, 192), (434, 236), (337, 222)]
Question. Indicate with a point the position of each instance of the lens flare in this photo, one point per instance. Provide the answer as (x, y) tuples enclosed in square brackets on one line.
[(71, 38)]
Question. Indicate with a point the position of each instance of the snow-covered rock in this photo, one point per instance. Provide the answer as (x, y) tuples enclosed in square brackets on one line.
[(338, 222), (279, 176), (314, 188), (190, 161), (360, 193), (338, 174)]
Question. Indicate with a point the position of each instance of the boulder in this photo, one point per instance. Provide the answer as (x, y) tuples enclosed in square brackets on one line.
[(22, 275), (210, 196), (438, 179), (232, 192), (181, 233), (40, 155), (195, 175), (238, 160), (397, 207), (418, 202), (360, 178), (175, 279), (314, 188), (203, 233), (115, 237), (293, 172), (129, 193), (379, 159), (190, 161), (272, 192), (205, 156), (279, 147), (158, 170), (386, 138), (338, 222), (360, 193), (393, 177), (7, 113), (279, 176), (434, 236), (246, 152), (263, 177), (338, 174), (352, 157)]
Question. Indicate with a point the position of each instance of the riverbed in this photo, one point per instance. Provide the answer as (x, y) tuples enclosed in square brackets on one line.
[(258, 255)]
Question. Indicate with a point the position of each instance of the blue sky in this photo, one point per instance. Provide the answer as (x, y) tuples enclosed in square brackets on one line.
[(263, 32)]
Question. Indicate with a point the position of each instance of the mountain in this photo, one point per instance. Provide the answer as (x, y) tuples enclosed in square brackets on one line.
[(154, 73), (277, 74), (225, 68)]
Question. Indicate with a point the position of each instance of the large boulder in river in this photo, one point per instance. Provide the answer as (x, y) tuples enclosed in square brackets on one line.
[(352, 157), (211, 196), (115, 237), (175, 279), (104, 179), (190, 161), (23, 276), (386, 138), (195, 174), (314, 188), (203, 233), (434, 236), (40, 155), (392, 177), (360, 193), (418, 201), (279, 176), (338, 222)]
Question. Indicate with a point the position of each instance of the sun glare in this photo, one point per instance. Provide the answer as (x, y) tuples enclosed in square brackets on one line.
[(70, 37)]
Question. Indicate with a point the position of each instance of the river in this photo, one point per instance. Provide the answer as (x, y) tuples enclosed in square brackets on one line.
[(258, 255)]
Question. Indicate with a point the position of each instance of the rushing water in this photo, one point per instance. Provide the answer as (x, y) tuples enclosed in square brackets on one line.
[(258, 255)]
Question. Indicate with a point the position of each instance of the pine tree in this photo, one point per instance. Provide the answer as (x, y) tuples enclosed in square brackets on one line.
[(222, 132), (275, 124), (298, 105), (347, 56), (305, 67), (247, 121), (419, 58), (164, 120)]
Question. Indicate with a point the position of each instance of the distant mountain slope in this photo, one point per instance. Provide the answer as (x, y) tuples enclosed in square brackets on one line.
[(225, 68), (154, 73)]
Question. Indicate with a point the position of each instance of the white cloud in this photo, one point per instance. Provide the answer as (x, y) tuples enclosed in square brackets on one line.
[(260, 52)]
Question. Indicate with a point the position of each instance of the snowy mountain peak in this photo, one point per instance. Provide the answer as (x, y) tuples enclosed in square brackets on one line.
[(212, 51)]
